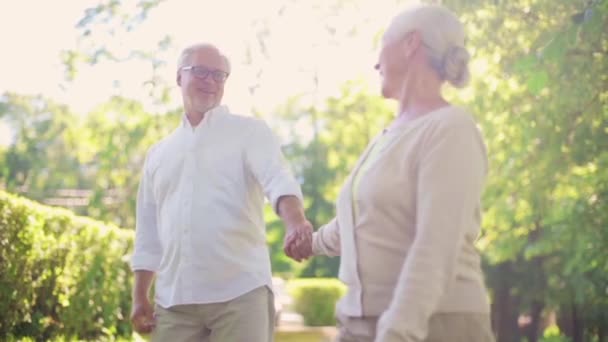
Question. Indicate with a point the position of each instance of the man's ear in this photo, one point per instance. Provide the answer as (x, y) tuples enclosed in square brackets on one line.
[(178, 78)]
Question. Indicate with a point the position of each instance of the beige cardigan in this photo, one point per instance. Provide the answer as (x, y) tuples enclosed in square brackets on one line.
[(411, 252)]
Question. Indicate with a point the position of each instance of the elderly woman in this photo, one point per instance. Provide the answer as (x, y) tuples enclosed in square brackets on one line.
[(409, 213)]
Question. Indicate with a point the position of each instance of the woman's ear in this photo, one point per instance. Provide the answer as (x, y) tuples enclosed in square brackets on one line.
[(413, 42)]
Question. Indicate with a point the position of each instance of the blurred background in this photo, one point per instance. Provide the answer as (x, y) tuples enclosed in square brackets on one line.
[(86, 86)]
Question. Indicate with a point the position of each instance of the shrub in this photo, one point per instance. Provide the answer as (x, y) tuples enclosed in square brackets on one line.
[(552, 334), (60, 274), (315, 299)]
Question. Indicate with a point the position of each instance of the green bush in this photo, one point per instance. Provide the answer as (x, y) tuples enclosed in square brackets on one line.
[(552, 334), (60, 274), (315, 299)]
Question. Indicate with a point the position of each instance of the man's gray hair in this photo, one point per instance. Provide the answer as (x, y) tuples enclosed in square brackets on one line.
[(183, 57)]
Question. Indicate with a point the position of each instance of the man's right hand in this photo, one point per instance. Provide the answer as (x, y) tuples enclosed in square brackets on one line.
[(142, 316), (298, 241)]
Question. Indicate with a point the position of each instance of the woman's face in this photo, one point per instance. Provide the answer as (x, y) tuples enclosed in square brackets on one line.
[(396, 63), (391, 67)]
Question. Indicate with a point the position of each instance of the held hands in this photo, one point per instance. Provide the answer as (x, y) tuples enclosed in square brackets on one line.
[(298, 235), (298, 240)]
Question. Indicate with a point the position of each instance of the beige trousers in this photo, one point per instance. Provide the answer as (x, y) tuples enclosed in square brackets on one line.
[(443, 327), (247, 318)]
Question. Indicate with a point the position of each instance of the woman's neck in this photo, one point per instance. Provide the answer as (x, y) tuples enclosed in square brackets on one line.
[(415, 108)]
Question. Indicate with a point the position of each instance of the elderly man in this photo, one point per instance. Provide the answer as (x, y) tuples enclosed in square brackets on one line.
[(200, 230)]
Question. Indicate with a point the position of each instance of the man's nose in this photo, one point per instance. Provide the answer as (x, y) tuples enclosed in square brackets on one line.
[(208, 79)]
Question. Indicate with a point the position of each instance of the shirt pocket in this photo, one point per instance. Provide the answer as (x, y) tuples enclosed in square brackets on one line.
[(222, 169)]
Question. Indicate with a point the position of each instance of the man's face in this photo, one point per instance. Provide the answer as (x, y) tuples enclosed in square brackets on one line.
[(201, 78)]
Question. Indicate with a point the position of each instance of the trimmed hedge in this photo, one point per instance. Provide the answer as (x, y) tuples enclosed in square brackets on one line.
[(315, 299), (61, 274)]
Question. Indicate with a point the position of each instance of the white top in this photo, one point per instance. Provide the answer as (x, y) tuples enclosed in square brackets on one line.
[(200, 224)]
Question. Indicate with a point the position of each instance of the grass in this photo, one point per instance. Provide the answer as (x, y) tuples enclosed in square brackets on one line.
[(308, 335), (301, 336)]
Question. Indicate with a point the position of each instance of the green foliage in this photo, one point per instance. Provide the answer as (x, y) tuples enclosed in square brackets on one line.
[(540, 95), (302, 336), (324, 156), (552, 334), (315, 299), (61, 274), (100, 154)]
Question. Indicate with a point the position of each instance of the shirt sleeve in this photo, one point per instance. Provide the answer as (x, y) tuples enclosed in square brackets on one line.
[(326, 240), (268, 165), (451, 173), (147, 250)]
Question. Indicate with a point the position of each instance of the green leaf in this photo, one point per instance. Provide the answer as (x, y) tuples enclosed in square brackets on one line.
[(537, 82)]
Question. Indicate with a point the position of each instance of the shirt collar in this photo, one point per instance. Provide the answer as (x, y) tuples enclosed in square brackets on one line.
[(209, 115)]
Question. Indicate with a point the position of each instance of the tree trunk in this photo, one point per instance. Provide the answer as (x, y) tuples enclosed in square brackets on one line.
[(571, 323), (579, 325), (533, 331), (602, 324), (505, 306), (564, 320), (539, 285)]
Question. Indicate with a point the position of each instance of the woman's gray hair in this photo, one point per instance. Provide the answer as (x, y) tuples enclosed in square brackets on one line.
[(442, 34)]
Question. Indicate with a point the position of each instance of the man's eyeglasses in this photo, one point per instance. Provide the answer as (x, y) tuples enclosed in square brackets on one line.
[(202, 73)]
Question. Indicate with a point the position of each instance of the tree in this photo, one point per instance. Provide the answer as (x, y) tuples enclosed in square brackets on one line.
[(88, 163), (39, 160), (540, 97), (326, 142)]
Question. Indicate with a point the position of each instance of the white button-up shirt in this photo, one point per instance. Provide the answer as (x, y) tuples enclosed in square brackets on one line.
[(200, 224)]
